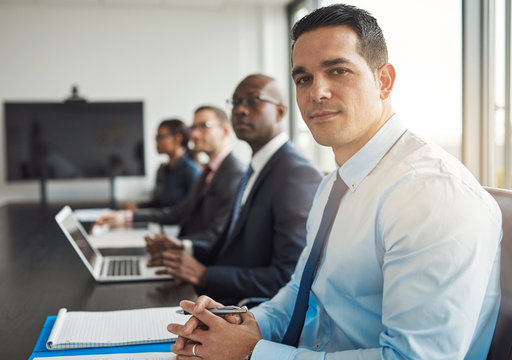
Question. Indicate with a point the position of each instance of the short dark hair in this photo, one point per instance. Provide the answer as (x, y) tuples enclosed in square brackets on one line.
[(372, 45), (175, 127), (219, 113)]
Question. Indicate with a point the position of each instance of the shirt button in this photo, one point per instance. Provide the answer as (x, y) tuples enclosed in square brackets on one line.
[(317, 346)]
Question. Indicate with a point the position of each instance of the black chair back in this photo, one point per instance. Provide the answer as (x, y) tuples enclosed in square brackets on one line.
[(501, 346)]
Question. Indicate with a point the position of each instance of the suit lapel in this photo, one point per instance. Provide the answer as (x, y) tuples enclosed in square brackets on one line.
[(250, 198), (200, 193), (215, 179), (218, 174), (189, 210)]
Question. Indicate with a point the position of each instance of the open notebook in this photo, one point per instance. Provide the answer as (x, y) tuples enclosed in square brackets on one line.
[(86, 329)]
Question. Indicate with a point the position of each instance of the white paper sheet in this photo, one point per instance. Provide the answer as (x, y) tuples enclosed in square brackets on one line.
[(120, 238), (89, 215), (123, 238)]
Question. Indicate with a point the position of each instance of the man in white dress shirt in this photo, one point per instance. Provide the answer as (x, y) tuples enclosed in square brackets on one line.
[(410, 267)]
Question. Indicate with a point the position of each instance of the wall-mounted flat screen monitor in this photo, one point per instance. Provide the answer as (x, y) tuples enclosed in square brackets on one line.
[(73, 140)]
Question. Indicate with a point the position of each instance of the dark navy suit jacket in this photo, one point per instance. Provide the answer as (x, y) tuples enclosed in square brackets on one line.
[(261, 253)]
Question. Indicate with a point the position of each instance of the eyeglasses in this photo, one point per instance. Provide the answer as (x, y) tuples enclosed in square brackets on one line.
[(159, 137), (251, 102), (203, 126)]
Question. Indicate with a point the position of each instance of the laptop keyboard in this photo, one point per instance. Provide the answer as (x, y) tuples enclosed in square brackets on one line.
[(123, 267)]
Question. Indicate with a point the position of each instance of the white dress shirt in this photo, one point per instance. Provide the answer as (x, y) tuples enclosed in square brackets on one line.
[(411, 266), (260, 159)]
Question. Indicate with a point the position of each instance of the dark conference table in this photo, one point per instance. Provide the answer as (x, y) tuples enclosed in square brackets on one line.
[(41, 273)]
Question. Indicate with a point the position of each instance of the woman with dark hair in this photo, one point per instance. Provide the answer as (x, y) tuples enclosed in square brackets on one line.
[(174, 178)]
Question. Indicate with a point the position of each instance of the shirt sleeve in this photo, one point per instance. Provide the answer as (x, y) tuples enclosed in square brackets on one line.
[(440, 256), (274, 315), (273, 318), (270, 350)]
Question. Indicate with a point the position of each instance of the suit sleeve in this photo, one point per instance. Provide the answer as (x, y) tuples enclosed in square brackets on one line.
[(223, 198), (153, 203), (168, 215), (292, 197), (191, 175)]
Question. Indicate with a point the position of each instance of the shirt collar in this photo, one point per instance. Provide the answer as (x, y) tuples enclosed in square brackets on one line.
[(216, 161), (357, 168), (261, 157)]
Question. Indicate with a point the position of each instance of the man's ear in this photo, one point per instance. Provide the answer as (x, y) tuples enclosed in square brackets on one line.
[(281, 111), (226, 129), (386, 79), (179, 138)]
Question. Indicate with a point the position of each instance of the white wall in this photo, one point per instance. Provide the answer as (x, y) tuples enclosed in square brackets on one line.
[(172, 58)]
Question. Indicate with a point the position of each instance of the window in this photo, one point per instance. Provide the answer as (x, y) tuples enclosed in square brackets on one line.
[(502, 141), (486, 145)]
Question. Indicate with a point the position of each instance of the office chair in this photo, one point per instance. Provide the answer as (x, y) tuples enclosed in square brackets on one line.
[(501, 346)]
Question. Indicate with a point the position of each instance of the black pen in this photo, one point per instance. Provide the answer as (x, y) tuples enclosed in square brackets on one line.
[(223, 310)]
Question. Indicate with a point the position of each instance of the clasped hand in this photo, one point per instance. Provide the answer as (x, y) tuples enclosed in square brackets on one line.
[(212, 337), (168, 251), (114, 219)]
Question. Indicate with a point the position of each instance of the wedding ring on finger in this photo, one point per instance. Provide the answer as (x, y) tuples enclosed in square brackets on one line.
[(194, 350)]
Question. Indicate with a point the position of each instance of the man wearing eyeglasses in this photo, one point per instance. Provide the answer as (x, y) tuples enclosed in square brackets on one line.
[(204, 212), (259, 247)]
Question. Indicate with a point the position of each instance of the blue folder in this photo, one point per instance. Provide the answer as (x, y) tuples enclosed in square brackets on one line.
[(40, 349)]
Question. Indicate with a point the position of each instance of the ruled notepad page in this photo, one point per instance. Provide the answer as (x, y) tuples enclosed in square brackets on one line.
[(81, 329)]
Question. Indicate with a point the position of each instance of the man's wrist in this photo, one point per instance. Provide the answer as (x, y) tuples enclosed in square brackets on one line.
[(201, 279), (127, 216), (249, 357)]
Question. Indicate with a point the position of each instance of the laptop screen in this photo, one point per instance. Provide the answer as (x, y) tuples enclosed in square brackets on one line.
[(76, 234)]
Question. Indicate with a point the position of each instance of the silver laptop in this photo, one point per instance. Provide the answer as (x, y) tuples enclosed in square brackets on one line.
[(104, 268)]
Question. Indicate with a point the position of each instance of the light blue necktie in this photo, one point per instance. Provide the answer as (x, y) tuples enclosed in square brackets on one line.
[(237, 208), (291, 337)]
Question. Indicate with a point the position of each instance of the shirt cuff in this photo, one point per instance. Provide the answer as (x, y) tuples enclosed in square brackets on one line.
[(188, 247), (262, 321), (128, 216), (265, 349)]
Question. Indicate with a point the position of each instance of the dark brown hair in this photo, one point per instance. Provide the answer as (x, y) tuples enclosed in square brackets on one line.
[(372, 45)]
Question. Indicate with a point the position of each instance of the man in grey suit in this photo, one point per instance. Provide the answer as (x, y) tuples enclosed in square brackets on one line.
[(259, 247), (204, 212)]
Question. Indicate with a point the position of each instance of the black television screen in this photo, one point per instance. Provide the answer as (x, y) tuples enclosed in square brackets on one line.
[(73, 140)]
